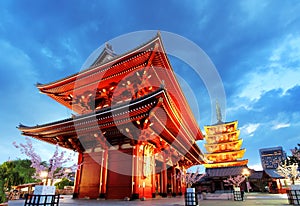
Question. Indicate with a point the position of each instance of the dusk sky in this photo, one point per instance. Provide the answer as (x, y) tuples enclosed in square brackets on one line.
[(254, 45)]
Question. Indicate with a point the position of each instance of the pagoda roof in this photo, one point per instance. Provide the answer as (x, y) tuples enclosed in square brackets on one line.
[(208, 136), (225, 171), (226, 164), (224, 146), (223, 143), (231, 152), (222, 123), (114, 121)]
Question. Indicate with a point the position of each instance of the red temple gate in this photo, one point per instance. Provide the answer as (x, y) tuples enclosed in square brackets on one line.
[(133, 130)]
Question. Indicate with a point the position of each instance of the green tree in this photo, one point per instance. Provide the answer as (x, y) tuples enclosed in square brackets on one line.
[(2, 190), (64, 182), (14, 173), (25, 170)]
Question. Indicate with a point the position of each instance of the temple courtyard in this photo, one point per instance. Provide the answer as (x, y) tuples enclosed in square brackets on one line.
[(251, 199)]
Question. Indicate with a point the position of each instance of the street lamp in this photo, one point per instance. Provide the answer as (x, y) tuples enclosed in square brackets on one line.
[(44, 175), (246, 174)]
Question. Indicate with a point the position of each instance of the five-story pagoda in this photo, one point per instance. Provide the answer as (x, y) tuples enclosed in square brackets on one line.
[(223, 145), (223, 151)]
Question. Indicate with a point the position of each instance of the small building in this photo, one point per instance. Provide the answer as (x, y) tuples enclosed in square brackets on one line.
[(259, 181), (270, 159)]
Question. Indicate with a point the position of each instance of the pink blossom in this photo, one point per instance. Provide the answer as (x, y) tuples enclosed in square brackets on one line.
[(55, 169), (190, 178), (296, 153), (235, 181)]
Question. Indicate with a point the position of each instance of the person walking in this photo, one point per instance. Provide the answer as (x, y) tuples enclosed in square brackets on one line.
[(242, 192)]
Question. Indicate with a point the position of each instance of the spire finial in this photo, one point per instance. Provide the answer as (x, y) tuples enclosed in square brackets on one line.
[(218, 111), (108, 46)]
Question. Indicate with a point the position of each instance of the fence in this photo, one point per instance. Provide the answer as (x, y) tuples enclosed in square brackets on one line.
[(46, 200), (293, 197)]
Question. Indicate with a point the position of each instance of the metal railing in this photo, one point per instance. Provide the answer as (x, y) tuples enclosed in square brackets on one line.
[(46, 200), (293, 197)]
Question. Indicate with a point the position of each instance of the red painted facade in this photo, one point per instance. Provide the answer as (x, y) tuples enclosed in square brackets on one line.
[(133, 130)]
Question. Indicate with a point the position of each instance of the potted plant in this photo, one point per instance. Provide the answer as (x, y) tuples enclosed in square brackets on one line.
[(190, 179), (235, 182)]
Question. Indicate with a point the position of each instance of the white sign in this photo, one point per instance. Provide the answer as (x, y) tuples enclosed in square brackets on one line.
[(236, 188), (295, 187), (190, 190), (44, 190)]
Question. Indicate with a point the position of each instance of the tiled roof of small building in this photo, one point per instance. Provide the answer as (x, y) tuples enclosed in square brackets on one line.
[(225, 171)]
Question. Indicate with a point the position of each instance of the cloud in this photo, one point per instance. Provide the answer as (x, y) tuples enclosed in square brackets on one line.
[(249, 129), (281, 120), (23, 103), (280, 72), (287, 51), (256, 167), (281, 125), (252, 9), (262, 82)]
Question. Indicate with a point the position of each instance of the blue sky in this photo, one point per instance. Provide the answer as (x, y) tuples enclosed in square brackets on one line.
[(254, 45)]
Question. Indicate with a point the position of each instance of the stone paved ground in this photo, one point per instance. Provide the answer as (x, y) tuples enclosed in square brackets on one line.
[(251, 200)]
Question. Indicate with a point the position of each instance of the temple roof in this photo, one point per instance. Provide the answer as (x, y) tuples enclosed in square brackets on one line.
[(273, 174), (256, 174), (118, 93), (225, 171), (114, 122), (123, 78), (106, 55), (98, 64)]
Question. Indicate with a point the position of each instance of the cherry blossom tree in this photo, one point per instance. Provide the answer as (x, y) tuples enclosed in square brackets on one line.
[(289, 171), (190, 178), (289, 167), (296, 154), (55, 168), (234, 181)]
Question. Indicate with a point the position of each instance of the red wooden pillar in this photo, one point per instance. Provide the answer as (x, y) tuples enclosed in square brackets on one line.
[(174, 185), (78, 176), (164, 179), (135, 172), (103, 173), (153, 178), (180, 185)]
